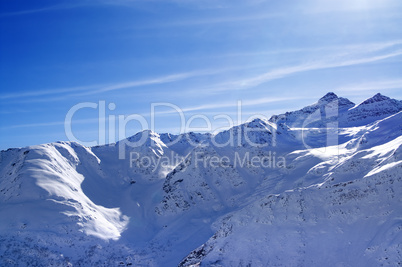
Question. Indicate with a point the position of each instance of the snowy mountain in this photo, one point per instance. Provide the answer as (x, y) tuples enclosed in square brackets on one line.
[(317, 186), (328, 108), (331, 108), (377, 107)]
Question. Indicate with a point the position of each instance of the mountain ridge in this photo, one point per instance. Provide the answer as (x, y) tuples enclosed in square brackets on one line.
[(196, 198)]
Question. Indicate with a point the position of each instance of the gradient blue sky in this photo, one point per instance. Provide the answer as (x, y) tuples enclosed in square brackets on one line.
[(201, 55)]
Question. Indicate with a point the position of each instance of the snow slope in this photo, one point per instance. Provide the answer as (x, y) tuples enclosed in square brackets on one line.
[(351, 218), (331, 108), (294, 190)]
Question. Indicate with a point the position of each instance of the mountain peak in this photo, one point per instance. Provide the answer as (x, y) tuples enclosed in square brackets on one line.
[(330, 96), (374, 108), (149, 132), (145, 137), (376, 98), (256, 123)]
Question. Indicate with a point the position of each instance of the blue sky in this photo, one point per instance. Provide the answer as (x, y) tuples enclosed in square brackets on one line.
[(202, 56)]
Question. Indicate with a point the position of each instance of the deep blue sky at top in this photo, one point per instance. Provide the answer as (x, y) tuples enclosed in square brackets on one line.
[(202, 56)]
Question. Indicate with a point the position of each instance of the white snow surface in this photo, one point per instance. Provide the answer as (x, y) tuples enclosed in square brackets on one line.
[(311, 202)]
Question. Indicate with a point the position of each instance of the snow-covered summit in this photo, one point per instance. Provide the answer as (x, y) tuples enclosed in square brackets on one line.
[(201, 199), (372, 109), (332, 108), (376, 98), (330, 97), (327, 108)]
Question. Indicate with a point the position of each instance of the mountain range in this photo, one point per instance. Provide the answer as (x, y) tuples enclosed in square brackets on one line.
[(317, 186)]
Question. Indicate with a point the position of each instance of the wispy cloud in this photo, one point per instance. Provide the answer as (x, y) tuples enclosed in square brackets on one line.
[(79, 91), (358, 56), (157, 80), (194, 4), (213, 20), (331, 49), (54, 123), (331, 6), (48, 92), (188, 109), (341, 57), (62, 93), (371, 86), (220, 105), (43, 9)]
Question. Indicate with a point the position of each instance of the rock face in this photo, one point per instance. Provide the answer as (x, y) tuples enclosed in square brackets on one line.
[(375, 108), (352, 213), (328, 108), (264, 193), (331, 108)]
